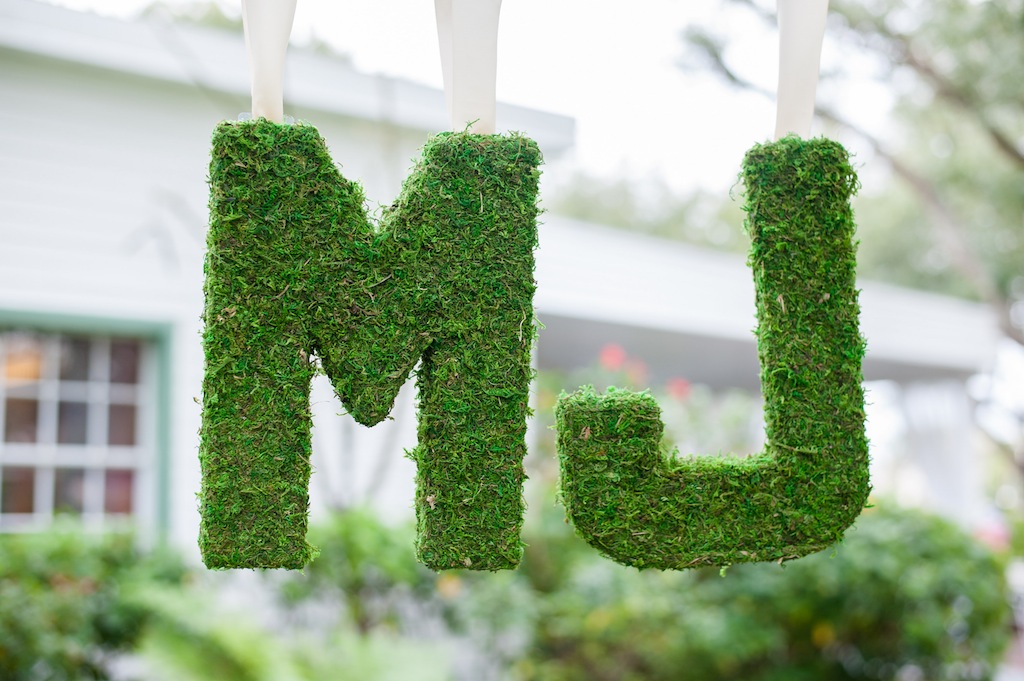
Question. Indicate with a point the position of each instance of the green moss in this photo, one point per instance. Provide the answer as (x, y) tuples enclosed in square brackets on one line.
[(811, 482), (294, 268)]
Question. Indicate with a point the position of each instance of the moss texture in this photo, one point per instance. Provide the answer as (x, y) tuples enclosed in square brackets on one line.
[(294, 268), (641, 508)]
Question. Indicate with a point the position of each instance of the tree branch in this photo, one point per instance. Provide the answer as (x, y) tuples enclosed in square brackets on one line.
[(902, 51), (951, 230)]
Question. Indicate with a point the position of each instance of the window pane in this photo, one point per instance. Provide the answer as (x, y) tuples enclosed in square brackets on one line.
[(17, 493), (20, 419), (23, 362), (118, 495), (124, 361), (71, 423), (69, 490), (121, 428), (74, 359)]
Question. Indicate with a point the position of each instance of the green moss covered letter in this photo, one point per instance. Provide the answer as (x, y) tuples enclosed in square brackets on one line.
[(294, 269), (799, 495)]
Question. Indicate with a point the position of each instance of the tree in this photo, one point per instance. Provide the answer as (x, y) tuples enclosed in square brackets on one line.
[(955, 140)]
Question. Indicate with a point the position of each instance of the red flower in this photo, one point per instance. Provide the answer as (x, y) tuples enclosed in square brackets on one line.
[(612, 357), (679, 388)]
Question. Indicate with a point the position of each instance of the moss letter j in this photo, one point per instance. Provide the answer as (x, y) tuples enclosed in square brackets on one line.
[(295, 269), (642, 509)]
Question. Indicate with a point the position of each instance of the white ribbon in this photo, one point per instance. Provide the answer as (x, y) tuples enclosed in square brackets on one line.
[(801, 32), (268, 25), (467, 33)]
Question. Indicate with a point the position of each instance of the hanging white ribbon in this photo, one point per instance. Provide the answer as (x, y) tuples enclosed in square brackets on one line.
[(267, 25), (467, 34), (801, 32)]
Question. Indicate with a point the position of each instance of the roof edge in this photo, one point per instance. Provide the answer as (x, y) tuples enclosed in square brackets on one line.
[(199, 56)]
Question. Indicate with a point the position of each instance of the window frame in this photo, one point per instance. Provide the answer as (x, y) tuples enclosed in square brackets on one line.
[(148, 458)]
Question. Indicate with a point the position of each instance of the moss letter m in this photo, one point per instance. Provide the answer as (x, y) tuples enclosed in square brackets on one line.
[(295, 269)]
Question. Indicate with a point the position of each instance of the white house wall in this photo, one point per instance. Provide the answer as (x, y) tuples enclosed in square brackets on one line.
[(103, 203)]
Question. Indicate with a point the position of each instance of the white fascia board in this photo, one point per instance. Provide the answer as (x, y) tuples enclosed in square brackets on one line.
[(917, 327), (85, 38), (213, 59), (588, 271), (611, 275)]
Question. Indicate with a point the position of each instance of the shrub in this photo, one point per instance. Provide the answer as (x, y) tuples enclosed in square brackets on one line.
[(366, 566), (65, 603), (906, 596)]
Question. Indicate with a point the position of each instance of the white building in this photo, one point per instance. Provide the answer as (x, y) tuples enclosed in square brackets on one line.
[(104, 134)]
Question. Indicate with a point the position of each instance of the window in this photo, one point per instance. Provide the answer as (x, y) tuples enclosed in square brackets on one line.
[(77, 434)]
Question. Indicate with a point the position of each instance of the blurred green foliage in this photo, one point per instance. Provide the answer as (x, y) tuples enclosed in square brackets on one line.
[(191, 639), (67, 601), (366, 565), (956, 126), (905, 596)]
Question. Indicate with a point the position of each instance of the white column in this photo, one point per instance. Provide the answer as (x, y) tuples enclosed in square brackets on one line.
[(940, 437)]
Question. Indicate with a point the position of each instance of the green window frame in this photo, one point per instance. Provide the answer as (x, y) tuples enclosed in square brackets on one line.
[(83, 423)]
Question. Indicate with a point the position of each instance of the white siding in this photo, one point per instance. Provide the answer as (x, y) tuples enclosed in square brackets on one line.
[(103, 212)]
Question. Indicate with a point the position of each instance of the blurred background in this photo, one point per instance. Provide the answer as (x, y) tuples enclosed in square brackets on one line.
[(643, 117)]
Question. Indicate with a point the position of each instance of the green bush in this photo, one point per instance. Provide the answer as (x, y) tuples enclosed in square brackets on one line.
[(192, 638), (66, 603), (365, 564), (905, 596), (368, 578), (71, 602)]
